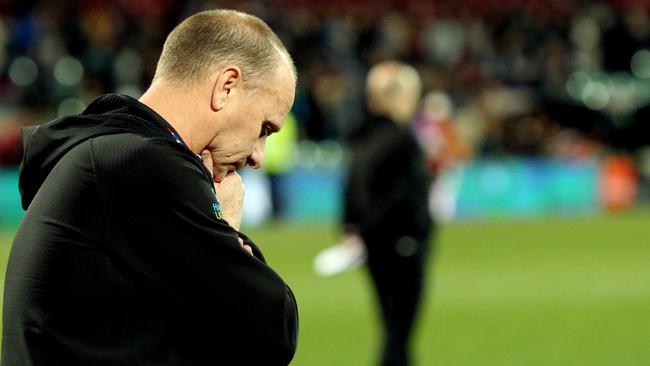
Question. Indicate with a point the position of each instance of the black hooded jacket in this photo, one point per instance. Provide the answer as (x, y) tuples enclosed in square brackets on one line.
[(122, 260), (386, 190)]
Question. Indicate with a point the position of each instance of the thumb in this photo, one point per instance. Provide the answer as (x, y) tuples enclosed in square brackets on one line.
[(206, 157)]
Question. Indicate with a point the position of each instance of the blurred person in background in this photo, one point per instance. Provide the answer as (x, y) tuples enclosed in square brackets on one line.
[(279, 160), (130, 250), (9, 141), (445, 152), (386, 203)]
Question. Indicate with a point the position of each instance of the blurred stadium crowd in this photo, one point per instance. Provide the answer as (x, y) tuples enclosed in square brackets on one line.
[(557, 78)]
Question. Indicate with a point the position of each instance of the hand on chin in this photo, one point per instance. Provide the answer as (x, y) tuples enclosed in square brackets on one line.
[(209, 164), (219, 173)]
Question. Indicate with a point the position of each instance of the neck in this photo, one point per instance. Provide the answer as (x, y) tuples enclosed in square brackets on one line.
[(178, 108)]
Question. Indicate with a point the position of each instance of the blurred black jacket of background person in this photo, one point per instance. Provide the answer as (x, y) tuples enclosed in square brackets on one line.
[(386, 202), (387, 184)]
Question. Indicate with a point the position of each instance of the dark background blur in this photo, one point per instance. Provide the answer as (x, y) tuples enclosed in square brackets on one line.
[(557, 79), (534, 112)]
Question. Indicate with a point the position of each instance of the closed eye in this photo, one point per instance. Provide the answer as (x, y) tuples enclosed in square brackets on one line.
[(266, 131), (268, 128)]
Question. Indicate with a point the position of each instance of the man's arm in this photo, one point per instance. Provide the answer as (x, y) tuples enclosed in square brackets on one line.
[(230, 193), (163, 228)]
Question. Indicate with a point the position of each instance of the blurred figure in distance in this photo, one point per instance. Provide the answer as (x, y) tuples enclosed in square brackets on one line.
[(386, 216)]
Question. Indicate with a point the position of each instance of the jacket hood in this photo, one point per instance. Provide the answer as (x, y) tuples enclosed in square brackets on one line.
[(44, 145)]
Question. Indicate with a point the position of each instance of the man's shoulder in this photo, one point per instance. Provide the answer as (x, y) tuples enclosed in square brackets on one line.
[(123, 150), (129, 142), (125, 139)]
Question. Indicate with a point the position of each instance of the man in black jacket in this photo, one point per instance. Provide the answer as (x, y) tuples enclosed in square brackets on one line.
[(386, 202), (129, 253)]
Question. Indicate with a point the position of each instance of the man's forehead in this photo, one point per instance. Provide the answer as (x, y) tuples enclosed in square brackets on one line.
[(286, 61), (286, 99), (284, 90), (282, 109)]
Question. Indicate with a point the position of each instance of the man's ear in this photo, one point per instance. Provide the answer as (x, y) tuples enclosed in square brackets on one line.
[(228, 79)]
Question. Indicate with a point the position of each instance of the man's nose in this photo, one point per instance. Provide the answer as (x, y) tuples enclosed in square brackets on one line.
[(256, 159)]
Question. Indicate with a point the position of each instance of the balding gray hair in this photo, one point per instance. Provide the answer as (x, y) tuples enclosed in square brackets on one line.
[(211, 39)]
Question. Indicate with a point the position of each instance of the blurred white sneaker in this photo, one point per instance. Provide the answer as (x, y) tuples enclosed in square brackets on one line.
[(339, 258)]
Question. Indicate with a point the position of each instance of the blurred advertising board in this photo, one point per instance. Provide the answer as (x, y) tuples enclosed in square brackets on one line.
[(10, 210), (527, 187), (502, 188)]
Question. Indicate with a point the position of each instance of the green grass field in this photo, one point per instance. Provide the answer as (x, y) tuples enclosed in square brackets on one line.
[(535, 292)]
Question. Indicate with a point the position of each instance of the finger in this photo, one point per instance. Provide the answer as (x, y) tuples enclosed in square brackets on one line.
[(245, 247), (232, 176), (235, 178), (206, 157), (248, 249)]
